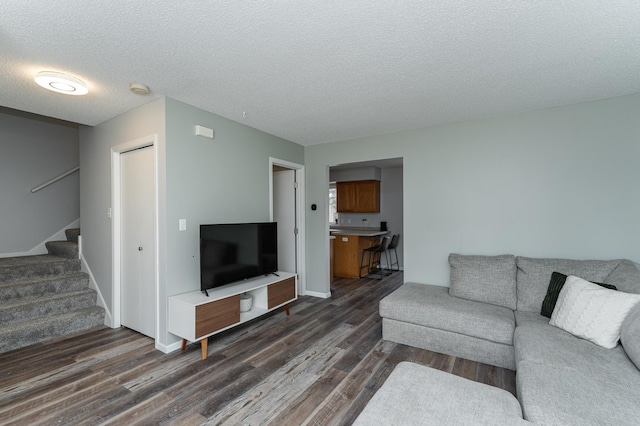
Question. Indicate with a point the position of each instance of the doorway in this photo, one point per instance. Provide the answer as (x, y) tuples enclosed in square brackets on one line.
[(286, 206), (135, 294)]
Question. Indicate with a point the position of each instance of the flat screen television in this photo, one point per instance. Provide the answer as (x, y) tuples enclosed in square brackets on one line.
[(236, 251)]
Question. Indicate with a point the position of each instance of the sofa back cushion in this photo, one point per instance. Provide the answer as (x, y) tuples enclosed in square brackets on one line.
[(488, 279), (533, 276), (626, 277), (630, 335)]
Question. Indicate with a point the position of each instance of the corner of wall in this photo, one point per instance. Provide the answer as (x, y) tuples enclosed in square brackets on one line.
[(108, 318)]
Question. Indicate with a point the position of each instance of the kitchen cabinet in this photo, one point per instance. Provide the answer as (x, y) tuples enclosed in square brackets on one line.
[(362, 196)]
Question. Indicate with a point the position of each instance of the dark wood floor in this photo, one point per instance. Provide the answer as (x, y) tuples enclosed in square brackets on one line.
[(318, 366)]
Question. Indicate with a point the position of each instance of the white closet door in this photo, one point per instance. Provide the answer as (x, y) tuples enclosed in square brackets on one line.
[(137, 251)]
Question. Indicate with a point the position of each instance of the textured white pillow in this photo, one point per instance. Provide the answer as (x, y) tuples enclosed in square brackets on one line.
[(591, 312)]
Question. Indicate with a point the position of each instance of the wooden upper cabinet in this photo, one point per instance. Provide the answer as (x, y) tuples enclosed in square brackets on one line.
[(361, 196), (346, 197)]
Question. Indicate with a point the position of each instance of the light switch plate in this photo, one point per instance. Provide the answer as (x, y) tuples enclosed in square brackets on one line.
[(182, 224)]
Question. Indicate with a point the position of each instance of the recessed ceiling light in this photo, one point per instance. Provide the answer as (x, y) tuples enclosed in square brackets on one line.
[(61, 83)]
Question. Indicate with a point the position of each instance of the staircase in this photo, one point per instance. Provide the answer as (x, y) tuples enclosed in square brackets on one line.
[(45, 296)]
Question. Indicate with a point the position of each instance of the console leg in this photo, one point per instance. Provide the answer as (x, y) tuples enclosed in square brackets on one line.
[(203, 346), (184, 344), (286, 308)]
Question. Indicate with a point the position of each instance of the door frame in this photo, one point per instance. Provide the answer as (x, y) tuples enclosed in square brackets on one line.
[(116, 217), (300, 203)]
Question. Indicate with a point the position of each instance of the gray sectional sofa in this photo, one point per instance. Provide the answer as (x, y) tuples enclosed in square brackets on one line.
[(491, 314)]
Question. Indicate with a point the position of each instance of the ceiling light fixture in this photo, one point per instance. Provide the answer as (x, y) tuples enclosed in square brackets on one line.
[(61, 83)]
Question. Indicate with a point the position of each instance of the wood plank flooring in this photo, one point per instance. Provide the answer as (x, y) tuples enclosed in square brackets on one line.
[(318, 366)]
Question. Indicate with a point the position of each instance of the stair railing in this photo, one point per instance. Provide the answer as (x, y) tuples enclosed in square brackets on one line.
[(55, 179)]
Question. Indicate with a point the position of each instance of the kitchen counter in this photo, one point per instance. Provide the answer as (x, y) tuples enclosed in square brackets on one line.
[(358, 233), (348, 250)]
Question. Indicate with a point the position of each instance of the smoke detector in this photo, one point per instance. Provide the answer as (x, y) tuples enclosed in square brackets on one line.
[(139, 89)]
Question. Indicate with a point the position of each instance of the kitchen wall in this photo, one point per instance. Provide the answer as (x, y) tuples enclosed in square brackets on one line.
[(391, 202), (34, 150), (558, 182)]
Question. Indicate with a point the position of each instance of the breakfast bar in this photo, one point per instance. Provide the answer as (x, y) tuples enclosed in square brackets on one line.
[(348, 247)]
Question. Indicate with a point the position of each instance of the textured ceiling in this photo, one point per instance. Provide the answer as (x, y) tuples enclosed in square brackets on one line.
[(321, 71)]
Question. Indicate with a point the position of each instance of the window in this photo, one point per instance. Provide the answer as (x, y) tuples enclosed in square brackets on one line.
[(333, 203)]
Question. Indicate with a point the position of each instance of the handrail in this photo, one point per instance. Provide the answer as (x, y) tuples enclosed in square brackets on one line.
[(55, 179)]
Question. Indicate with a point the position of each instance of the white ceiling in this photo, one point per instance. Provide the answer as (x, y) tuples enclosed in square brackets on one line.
[(321, 71)]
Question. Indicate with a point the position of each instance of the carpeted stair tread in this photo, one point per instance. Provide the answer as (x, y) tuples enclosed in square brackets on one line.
[(42, 286), (68, 249), (25, 268), (18, 335), (72, 234), (35, 307)]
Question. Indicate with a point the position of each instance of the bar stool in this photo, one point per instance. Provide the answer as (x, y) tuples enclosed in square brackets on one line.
[(392, 247), (375, 254)]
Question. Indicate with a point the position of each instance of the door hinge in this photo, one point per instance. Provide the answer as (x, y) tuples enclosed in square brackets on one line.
[(295, 185), (295, 231)]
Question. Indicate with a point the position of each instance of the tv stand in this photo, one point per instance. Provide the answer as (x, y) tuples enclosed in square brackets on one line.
[(196, 315), (206, 293)]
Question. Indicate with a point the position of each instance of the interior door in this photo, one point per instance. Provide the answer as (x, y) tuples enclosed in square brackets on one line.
[(284, 212), (137, 237)]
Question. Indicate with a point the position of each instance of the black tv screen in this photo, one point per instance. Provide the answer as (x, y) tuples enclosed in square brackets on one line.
[(236, 251)]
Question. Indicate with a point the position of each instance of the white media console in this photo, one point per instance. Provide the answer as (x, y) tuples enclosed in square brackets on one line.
[(194, 316)]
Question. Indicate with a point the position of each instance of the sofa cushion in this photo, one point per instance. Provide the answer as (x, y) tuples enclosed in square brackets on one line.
[(525, 317), (417, 395), (533, 276), (548, 345), (591, 312), (488, 279), (626, 277), (630, 335), (432, 306), (553, 291), (552, 395)]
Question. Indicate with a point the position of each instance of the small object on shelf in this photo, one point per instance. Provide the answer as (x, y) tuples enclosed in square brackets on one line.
[(246, 301)]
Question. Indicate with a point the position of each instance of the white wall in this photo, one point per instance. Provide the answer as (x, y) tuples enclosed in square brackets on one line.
[(559, 182), (33, 150)]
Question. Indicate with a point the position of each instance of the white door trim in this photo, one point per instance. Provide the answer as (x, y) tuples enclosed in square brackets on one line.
[(116, 151), (300, 203)]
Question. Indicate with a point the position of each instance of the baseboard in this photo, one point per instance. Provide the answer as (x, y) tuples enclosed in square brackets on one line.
[(108, 319), (169, 348), (317, 294), (41, 248)]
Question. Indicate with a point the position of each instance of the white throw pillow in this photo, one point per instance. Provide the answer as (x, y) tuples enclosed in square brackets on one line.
[(591, 312)]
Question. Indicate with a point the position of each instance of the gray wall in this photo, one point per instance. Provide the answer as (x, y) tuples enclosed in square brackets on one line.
[(201, 180), (95, 191), (223, 180), (559, 182), (34, 149)]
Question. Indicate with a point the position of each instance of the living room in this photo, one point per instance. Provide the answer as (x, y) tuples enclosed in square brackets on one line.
[(551, 171)]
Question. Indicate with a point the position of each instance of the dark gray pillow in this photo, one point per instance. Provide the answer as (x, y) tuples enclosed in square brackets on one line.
[(553, 291), (488, 279)]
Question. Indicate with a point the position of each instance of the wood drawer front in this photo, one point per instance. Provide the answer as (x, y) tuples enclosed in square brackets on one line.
[(217, 315), (281, 292)]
